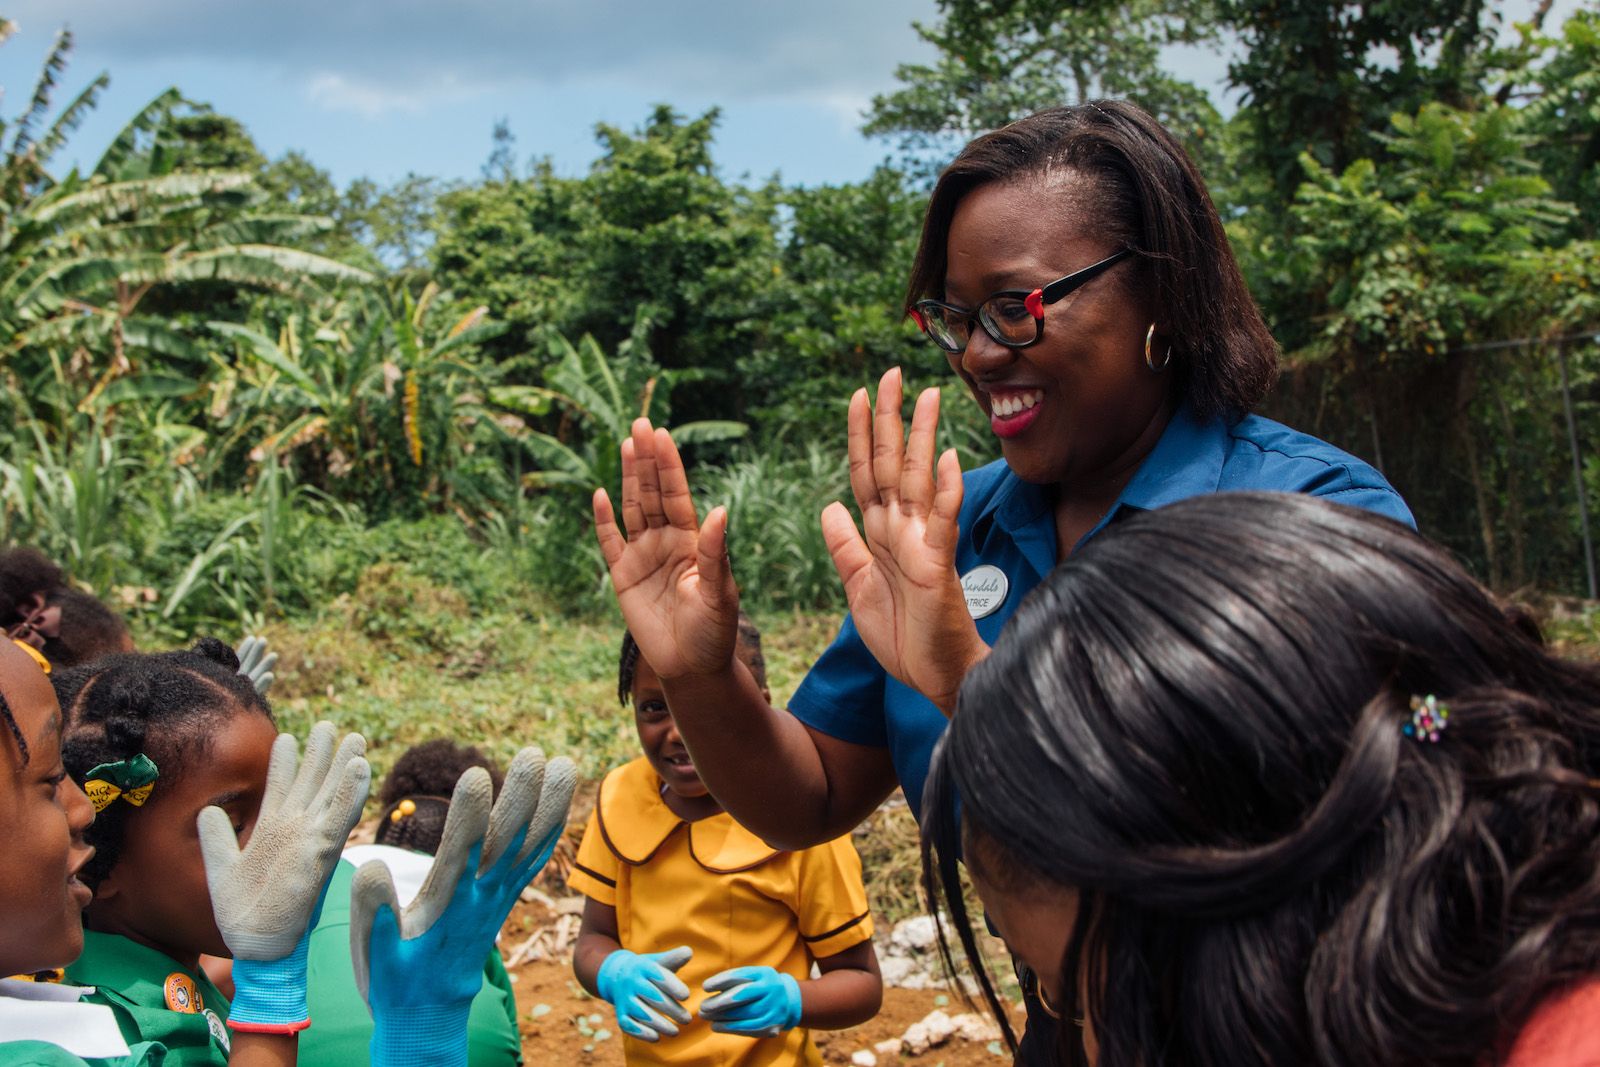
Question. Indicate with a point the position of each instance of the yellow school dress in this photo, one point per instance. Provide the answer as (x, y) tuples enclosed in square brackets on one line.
[(728, 895)]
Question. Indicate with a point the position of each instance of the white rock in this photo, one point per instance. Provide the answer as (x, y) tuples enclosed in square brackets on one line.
[(863, 1058), (978, 1028), (920, 934), (890, 1047), (935, 1029), (896, 969)]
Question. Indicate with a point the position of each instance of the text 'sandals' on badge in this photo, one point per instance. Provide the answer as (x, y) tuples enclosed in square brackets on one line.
[(985, 587)]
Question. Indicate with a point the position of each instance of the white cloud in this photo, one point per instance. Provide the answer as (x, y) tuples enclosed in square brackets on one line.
[(370, 55), (336, 92)]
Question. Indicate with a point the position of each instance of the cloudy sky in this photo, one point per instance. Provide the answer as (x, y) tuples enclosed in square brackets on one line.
[(383, 87), (386, 87)]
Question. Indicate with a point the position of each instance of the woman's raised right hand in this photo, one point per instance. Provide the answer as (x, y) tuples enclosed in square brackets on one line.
[(671, 574)]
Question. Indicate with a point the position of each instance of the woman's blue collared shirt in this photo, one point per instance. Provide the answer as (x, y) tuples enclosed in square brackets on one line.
[(1007, 523)]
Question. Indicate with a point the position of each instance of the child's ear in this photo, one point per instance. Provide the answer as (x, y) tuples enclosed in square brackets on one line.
[(766, 694)]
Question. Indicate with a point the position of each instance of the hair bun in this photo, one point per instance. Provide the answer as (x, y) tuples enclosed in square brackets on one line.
[(217, 652)]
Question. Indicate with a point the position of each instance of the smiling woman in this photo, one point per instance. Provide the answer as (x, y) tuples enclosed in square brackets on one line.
[(1075, 274)]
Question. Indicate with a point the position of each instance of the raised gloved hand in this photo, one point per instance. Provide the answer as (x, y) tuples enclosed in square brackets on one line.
[(256, 663), (420, 967), (268, 895), (753, 1001), (647, 995)]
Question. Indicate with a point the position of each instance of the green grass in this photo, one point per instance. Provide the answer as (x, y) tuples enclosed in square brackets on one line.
[(403, 660)]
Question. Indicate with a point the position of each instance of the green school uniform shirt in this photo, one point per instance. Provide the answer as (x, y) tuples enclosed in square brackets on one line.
[(341, 1026), (133, 979), (43, 1054)]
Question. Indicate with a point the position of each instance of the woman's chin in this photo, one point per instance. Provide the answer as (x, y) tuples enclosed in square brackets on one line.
[(1029, 464)]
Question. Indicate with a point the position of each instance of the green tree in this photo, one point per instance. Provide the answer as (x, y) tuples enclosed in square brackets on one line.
[(651, 229), (1002, 59), (1426, 262)]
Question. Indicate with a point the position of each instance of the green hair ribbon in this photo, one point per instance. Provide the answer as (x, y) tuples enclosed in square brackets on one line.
[(132, 779)]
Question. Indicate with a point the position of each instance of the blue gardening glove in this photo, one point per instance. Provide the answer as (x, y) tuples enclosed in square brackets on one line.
[(752, 1001), (420, 967), (267, 896), (647, 995), (256, 663)]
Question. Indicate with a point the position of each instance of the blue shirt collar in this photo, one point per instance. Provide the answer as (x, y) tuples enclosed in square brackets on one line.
[(1187, 461)]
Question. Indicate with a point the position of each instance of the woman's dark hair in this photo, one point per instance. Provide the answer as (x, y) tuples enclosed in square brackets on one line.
[(1196, 722), (1141, 191), (628, 660), (426, 775), (165, 705), (83, 629)]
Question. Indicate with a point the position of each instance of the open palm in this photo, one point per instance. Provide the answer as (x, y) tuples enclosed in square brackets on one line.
[(671, 574), (899, 570)]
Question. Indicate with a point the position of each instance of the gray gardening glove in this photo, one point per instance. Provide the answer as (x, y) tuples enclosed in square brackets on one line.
[(256, 663), (268, 895), (420, 967)]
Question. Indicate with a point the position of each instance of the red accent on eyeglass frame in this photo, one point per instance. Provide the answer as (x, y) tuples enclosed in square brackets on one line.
[(1034, 302)]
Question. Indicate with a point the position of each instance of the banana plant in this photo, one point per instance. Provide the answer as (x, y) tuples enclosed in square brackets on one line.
[(80, 253), (375, 391), (600, 396)]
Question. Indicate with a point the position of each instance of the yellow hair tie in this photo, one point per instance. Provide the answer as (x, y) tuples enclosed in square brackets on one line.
[(38, 657), (405, 809)]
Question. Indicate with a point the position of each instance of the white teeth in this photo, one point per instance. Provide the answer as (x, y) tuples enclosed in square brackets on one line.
[(1009, 405)]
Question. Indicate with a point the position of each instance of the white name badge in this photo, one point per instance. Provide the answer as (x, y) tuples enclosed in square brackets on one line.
[(985, 588)]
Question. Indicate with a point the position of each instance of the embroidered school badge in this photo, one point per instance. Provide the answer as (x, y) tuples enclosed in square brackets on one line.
[(985, 587), (182, 995)]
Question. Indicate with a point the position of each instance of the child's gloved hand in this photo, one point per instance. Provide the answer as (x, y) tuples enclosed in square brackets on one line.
[(752, 1001), (420, 967), (267, 896), (646, 993), (256, 663)]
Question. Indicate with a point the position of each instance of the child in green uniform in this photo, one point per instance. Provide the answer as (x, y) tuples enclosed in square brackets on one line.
[(416, 798), (419, 964), (44, 819), (173, 733)]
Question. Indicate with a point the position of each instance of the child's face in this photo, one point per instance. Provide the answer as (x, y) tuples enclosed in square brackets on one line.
[(658, 734), (156, 894), (43, 815)]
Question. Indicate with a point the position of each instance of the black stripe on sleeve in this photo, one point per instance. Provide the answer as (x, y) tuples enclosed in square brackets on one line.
[(837, 930), (597, 876)]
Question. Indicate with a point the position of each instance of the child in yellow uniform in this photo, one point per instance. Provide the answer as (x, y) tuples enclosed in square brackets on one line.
[(700, 934)]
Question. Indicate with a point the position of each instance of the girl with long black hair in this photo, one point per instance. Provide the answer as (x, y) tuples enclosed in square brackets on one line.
[(1255, 779)]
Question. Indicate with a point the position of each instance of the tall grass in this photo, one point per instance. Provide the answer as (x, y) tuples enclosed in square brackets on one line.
[(774, 536)]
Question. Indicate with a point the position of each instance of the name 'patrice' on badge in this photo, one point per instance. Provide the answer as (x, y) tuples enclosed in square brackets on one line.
[(985, 588)]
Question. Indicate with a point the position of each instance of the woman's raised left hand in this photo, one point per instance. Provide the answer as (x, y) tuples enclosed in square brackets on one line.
[(899, 570)]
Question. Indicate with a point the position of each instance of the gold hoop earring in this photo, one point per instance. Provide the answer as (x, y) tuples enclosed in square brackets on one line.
[(1149, 361)]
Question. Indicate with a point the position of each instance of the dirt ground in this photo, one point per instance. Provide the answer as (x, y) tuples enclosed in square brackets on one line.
[(559, 1022)]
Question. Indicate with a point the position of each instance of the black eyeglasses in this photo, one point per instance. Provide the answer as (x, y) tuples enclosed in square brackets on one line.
[(1013, 317)]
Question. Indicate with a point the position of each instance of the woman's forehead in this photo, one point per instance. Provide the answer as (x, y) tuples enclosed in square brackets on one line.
[(1003, 232), (28, 693)]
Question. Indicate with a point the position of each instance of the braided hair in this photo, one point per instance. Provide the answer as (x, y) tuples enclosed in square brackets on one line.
[(16, 731), (163, 704), (749, 641), (416, 793), (88, 629)]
